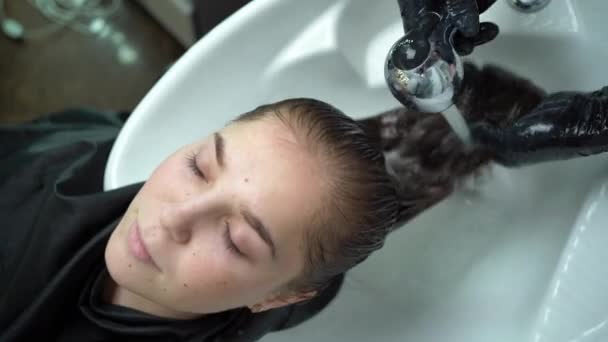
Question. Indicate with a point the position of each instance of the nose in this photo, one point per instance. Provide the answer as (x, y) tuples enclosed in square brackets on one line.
[(181, 218)]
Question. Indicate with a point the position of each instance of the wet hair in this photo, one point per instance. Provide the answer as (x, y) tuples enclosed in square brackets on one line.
[(426, 157), (361, 205), (386, 169)]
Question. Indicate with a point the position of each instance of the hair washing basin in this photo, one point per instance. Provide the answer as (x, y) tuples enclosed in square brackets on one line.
[(487, 264)]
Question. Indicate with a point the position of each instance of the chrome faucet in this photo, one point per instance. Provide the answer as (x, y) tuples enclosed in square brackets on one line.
[(422, 67), (528, 6)]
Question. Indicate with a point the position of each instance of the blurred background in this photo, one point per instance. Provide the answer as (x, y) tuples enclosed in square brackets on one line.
[(98, 54)]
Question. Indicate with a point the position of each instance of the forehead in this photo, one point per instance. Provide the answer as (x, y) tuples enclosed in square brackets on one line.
[(280, 179)]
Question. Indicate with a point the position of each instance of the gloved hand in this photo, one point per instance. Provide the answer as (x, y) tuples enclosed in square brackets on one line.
[(463, 15), (564, 125)]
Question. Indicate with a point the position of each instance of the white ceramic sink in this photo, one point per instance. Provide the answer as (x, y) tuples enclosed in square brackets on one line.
[(515, 257)]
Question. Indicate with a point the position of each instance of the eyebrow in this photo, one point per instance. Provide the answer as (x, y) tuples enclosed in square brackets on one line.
[(219, 149), (259, 228), (251, 219)]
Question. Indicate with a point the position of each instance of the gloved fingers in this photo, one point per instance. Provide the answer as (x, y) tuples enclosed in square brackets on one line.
[(464, 46), (429, 23), (410, 10), (487, 32), (554, 104), (502, 142), (565, 125), (590, 103), (488, 135), (601, 94), (483, 5), (600, 100), (465, 15)]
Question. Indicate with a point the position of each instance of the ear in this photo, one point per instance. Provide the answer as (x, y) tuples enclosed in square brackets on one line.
[(282, 300)]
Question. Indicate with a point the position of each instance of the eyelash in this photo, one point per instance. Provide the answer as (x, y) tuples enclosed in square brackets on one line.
[(191, 160), (230, 246)]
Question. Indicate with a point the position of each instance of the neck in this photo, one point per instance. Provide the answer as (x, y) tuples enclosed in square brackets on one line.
[(118, 295)]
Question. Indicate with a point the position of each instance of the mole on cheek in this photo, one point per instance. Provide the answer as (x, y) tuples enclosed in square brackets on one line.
[(129, 265), (185, 285), (246, 180)]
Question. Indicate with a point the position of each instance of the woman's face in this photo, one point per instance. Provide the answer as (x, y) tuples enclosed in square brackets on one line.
[(219, 224)]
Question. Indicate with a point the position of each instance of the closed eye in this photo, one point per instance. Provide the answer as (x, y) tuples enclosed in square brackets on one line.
[(230, 245), (193, 166)]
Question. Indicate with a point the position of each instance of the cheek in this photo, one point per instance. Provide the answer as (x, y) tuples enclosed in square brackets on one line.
[(217, 276), (210, 271), (167, 176)]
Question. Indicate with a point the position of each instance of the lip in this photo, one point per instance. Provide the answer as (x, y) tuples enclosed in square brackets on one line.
[(137, 245)]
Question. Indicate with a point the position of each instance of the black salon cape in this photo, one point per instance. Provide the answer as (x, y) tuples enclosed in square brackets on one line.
[(55, 223)]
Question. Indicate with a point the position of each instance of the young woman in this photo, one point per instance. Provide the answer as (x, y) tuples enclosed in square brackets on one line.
[(248, 230), (221, 243)]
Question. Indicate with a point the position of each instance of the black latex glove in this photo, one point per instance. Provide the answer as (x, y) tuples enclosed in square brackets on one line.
[(565, 125), (463, 15)]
